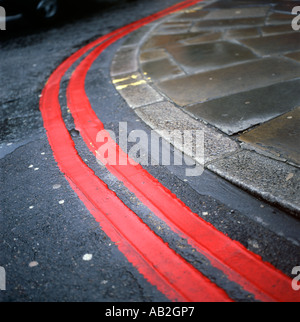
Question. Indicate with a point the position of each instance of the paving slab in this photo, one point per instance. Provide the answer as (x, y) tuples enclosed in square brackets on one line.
[(161, 41), (276, 29), (221, 4), (203, 37), (238, 112), (286, 6), (228, 23), (242, 33), (201, 87), (161, 69), (279, 136), (175, 27), (237, 13), (294, 55), (202, 57), (274, 44), (279, 18), (190, 15), (155, 54)]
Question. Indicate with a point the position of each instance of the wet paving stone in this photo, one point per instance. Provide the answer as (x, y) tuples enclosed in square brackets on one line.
[(276, 29), (274, 44), (236, 113), (173, 27), (237, 13), (201, 87), (161, 69), (203, 38), (279, 136), (191, 15), (162, 41), (221, 4), (153, 55), (279, 18), (228, 23), (295, 56), (242, 33), (202, 57), (286, 6)]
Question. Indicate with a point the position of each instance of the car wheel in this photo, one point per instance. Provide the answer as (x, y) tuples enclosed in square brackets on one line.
[(47, 9)]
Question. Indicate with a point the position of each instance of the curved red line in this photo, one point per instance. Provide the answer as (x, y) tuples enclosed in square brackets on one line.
[(242, 266), (141, 246)]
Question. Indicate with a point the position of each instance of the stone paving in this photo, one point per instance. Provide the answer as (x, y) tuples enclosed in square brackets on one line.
[(232, 69)]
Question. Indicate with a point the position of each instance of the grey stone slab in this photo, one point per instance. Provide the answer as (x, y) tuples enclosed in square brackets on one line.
[(295, 56), (190, 15), (269, 179), (162, 69), (279, 18), (173, 27), (125, 61), (238, 112), (274, 44), (153, 55), (203, 38), (279, 136), (221, 4), (222, 24), (202, 57), (286, 6), (231, 80), (161, 41), (164, 117), (237, 13), (276, 29), (241, 33)]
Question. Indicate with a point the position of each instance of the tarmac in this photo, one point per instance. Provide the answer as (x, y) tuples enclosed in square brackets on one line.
[(232, 70)]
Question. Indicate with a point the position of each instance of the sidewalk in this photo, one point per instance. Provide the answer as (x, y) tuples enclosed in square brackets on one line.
[(231, 69)]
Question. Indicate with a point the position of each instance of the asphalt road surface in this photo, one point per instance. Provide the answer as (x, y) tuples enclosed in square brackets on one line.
[(52, 248)]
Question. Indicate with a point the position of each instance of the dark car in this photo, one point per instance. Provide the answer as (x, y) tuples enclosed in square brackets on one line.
[(36, 9)]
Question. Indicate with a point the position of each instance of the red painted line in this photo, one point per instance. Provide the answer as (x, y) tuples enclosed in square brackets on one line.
[(141, 246), (239, 264)]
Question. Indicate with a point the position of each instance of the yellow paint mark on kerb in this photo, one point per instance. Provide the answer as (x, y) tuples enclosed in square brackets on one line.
[(120, 80), (141, 82)]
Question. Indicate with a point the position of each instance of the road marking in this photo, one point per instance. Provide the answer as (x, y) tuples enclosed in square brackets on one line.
[(141, 246)]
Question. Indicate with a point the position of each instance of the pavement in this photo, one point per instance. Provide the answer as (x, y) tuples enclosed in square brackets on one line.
[(232, 70)]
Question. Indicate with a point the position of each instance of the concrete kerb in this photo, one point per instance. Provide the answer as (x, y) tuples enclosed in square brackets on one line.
[(268, 178)]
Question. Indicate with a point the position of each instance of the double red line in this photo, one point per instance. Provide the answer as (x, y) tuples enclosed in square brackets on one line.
[(165, 269)]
